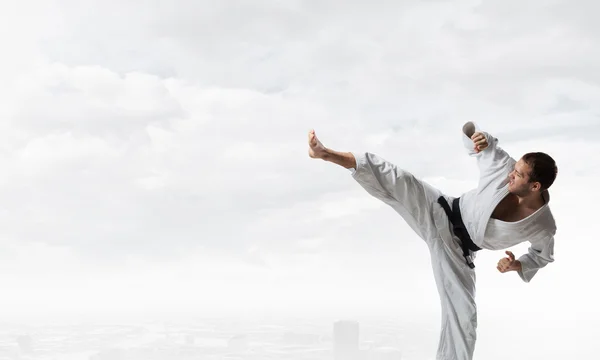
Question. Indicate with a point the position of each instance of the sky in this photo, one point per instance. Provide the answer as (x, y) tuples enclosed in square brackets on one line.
[(154, 154)]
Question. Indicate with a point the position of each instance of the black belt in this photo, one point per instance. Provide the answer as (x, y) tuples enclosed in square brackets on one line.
[(459, 229)]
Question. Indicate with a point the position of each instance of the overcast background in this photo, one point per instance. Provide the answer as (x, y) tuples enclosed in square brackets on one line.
[(154, 157)]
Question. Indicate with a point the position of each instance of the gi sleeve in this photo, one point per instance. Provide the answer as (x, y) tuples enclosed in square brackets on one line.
[(539, 254), (491, 160)]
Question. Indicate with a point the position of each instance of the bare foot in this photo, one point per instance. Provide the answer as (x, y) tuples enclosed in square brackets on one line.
[(316, 150)]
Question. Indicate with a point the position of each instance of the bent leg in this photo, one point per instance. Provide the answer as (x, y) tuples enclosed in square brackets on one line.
[(409, 196)]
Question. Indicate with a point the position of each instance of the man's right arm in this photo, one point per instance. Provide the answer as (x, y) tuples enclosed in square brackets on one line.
[(492, 158)]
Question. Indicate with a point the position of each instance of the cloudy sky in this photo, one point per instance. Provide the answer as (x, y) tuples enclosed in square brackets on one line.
[(154, 153)]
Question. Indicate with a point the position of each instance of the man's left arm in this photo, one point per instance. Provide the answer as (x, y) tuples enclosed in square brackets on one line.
[(527, 265), (538, 255)]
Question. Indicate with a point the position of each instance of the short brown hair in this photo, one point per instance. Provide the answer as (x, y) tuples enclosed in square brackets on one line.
[(543, 168)]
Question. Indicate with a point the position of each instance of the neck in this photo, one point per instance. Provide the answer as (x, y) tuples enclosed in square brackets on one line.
[(533, 200)]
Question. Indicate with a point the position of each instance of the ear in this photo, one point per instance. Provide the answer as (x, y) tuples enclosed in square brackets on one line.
[(536, 186)]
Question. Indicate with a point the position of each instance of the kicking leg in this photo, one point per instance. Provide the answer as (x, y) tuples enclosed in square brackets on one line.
[(412, 198), (416, 202), (316, 150)]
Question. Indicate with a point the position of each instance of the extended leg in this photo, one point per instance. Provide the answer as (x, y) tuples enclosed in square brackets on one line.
[(410, 197), (316, 150), (416, 202)]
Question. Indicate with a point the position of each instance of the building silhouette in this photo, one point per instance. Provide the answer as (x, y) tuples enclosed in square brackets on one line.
[(345, 340)]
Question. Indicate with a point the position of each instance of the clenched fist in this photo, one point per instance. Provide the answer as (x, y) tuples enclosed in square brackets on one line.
[(508, 263), (479, 142)]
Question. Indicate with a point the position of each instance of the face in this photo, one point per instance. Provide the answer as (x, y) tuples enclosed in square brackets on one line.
[(519, 180)]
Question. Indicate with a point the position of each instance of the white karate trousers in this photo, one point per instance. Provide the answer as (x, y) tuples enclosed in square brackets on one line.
[(416, 202)]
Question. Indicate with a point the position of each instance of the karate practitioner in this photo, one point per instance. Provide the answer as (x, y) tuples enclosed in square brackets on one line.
[(509, 206)]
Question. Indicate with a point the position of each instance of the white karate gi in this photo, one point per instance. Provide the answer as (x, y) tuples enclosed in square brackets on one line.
[(416, 202)]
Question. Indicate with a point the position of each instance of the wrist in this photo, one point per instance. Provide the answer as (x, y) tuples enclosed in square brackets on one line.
[(516, 266)]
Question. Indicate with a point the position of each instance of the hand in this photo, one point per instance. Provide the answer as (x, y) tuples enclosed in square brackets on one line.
[(508, 263), (479, 141)]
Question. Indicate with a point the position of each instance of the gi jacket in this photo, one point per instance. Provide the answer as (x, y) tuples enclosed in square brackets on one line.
[(477, 205)]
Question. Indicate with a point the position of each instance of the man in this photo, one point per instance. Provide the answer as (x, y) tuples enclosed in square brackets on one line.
[(509, 206)]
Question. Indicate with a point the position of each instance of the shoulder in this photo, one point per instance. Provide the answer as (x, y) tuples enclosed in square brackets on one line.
[(546, 222)]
